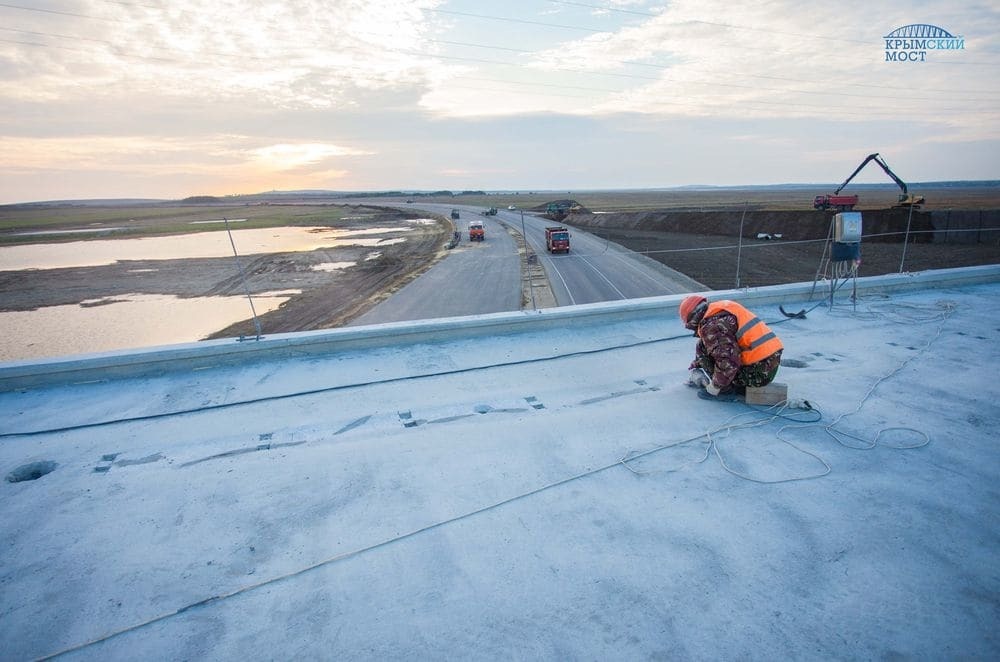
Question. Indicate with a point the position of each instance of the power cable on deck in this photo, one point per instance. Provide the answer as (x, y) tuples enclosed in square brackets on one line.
[(330, 389), (358, 552)]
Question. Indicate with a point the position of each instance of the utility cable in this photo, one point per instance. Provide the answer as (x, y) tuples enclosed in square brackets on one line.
[(354, 553), (331, 389), (770, 414), (727, 427), (365, 384), (942, 311)]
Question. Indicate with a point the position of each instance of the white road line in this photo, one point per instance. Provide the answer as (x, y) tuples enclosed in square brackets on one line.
[(635, 267), (599, 273), (572, 300)]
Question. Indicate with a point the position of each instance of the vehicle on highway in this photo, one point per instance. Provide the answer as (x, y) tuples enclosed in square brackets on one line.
[(557, 239), (476, 231), (454, 213), (511, 207)]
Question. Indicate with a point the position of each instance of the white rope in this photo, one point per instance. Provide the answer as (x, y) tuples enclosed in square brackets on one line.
[(899, 313), (771, 414), (896, 312)]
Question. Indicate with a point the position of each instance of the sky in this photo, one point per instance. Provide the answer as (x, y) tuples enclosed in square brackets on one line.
[(156, 99)]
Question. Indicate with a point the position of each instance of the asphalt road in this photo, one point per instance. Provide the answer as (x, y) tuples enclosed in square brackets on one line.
[(484, 277), (595, 269), (476, 277)]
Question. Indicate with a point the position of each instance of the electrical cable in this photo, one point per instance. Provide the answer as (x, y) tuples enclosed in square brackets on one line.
[(351, 554), (727, 428), (869, 96), (343, 387), (941, 310), (330, 389), (771, 414), (326, 562)]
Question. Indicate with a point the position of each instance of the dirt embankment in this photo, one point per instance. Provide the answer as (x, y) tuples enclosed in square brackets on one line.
[(350, 292), (884, 225), (709, 247)]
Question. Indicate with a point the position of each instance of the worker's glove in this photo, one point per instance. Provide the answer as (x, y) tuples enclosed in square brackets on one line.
[(712, 389), (698, 378)]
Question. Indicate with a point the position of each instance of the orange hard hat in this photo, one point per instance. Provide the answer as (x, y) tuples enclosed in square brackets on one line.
[(688, 305)]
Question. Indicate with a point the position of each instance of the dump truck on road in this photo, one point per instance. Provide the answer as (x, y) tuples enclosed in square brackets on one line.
[(838, 202), (476, 231), (557, 239)]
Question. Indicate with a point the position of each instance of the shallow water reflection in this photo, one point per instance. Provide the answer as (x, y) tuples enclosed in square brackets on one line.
[(199, 245), (123, 322)]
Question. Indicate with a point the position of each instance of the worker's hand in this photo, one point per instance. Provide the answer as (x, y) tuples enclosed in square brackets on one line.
[(712, 389), (697, 378)]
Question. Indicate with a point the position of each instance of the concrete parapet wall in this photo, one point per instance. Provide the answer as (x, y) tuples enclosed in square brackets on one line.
[(207, 354)]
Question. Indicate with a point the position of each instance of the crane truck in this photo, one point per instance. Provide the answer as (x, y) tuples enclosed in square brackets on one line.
[(847, 202), (557, 239)]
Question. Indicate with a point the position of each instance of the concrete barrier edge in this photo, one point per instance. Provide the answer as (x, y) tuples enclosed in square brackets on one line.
[(201, 355)]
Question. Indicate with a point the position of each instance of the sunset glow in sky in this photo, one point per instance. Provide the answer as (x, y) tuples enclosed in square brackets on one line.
[(106, 98)]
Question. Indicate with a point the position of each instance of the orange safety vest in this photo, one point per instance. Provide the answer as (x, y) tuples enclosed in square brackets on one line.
[(755, 339)]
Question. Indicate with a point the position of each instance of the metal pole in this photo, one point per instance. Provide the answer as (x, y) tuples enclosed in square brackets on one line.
[(243, 276), (906, 239), (739, 250), (527, 263)]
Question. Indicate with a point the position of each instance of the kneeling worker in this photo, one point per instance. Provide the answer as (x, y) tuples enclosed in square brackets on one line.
[(735, 348)]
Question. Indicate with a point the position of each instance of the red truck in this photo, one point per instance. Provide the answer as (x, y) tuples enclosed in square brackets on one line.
[(838, 202), (476, 231), (557, 239)]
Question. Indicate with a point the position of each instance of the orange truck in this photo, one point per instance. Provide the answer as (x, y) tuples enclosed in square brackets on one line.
[(557, 239), (476, 231)]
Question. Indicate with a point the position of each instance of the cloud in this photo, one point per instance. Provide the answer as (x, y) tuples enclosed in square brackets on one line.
[(307, 53), (210, 155), (288, 156), (778, 59), (231, 95)]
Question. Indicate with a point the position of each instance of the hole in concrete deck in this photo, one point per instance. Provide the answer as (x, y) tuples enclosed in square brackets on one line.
[(31, 471)]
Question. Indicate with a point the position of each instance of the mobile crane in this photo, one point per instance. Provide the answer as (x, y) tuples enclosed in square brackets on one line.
[(906, 199)]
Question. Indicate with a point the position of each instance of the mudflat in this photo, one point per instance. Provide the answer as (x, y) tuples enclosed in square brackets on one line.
[(325, 298)]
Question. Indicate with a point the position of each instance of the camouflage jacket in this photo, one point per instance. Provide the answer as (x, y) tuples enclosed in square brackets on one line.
[(717, 340), (717, 347)]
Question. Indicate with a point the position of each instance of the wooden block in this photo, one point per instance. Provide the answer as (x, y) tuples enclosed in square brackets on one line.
[(773, 394)]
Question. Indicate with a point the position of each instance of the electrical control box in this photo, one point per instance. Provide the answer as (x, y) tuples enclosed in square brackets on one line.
[(847, 227), (845, 252)]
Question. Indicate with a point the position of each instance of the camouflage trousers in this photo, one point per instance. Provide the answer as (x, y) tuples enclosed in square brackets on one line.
[(761, 373)]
